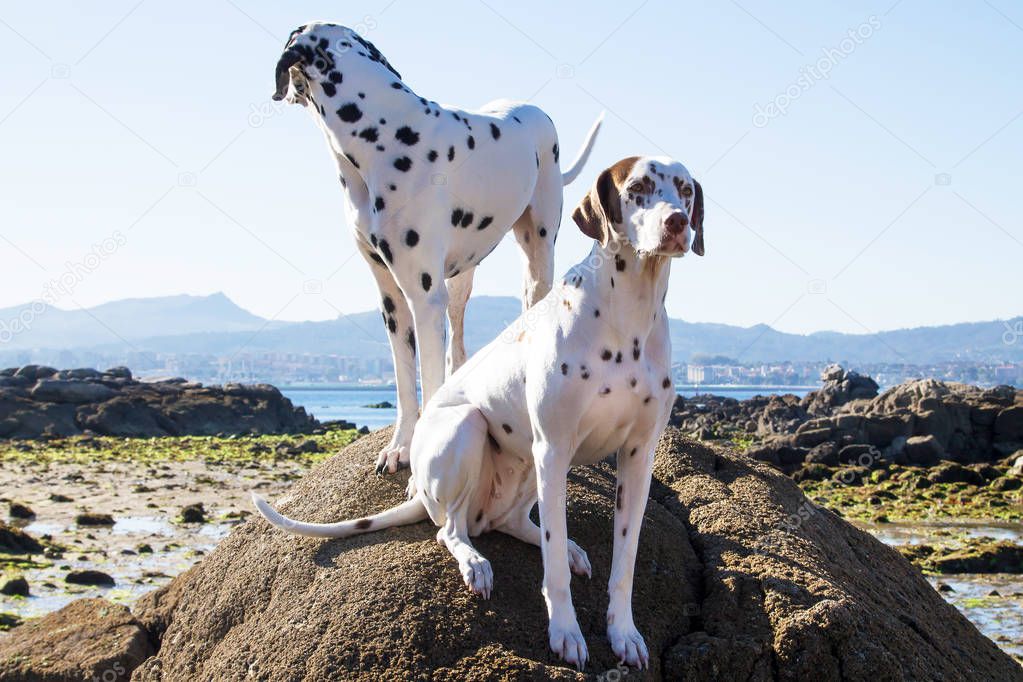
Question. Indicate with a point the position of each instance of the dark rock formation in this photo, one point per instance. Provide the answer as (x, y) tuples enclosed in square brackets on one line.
[(43, 402), (916, 423), (89, 639), (738, 576)]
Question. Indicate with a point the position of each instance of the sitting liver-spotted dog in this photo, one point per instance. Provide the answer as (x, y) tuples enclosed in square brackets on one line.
[(585, 372), (430, 191)]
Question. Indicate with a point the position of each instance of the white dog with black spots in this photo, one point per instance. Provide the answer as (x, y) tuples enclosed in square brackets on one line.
[(430, 190)]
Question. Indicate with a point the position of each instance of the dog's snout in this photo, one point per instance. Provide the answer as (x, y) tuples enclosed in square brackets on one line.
[(676, 222)]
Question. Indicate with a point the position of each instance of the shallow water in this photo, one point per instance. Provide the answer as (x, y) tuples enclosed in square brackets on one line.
[(999, 615), (175, 548)]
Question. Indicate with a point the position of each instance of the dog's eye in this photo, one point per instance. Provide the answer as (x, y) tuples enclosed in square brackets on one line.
[(687, 191), (637, 188)]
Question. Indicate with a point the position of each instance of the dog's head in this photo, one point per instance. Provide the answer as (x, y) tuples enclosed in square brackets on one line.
[(312, 58), (651, 203)]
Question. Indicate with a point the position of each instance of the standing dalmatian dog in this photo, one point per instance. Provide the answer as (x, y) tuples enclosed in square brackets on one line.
[(585, 372), (429, 192)]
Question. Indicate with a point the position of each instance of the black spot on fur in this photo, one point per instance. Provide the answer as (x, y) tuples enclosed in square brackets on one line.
[(451, 153), (618, 357), (605, 355), (596, 313), (618, 499), (564, 368), (392, 187), (456, 217), (392, 325), (350, 113), (352, 160), (369, 134), (495, 131), (633, 453), (377, 259), (624, 531), (335, 77), (403, 164), (557, 153), (646, 399), (397, 86), (363, 524), (543, 232), (379, 204), (635, 353), (517, 119), (605, 390), (467, 219), (619, 263), (432, 156), (388, 304), (471, 141), (612, 282), (632, 382), (585, 372), (548, 535), (485, 222), (427, 281), (329, 89), (385, 249), (411, 237), (493, 442), (410, 339), (507, 429), (666, 383), (479, 517), (406, 135)]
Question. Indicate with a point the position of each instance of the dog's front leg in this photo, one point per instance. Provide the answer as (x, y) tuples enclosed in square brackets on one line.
[(635, 463), (429, 313), (552, 465)]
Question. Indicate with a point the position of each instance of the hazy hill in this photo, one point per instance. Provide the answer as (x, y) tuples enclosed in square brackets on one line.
[(215, 325)]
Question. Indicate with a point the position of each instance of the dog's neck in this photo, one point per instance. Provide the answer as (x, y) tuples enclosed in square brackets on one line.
[(632, 287), (382, 111)]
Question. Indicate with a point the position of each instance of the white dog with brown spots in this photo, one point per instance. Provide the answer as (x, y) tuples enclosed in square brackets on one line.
[(583, 373)]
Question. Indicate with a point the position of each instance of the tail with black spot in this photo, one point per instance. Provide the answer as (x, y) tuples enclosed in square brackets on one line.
[(404, 514)]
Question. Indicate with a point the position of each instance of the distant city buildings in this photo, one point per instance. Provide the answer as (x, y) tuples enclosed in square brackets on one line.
[(297, 369)]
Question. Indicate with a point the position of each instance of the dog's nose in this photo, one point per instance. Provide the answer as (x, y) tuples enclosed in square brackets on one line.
[(676, 222)]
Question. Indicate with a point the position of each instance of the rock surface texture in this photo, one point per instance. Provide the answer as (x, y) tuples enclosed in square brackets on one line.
[(738, 577), (40, 402)]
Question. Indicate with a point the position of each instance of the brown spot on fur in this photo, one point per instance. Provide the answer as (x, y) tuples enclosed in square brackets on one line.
[(507, 429), (363, 524), (618, 499)]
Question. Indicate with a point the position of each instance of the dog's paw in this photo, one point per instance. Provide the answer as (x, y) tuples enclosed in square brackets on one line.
[(628, 645), (392, 458), (478, 575), (578, 561), (568, 643)]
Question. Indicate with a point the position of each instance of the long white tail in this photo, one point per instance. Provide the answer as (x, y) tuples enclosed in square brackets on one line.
[(577, 166), (404, 514)]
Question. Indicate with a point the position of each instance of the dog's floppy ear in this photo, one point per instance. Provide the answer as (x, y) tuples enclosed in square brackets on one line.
[(698, 220), (288, 59), (599, 209)]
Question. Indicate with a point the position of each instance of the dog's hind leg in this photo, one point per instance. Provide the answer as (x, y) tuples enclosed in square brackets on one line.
[(402, 336), (447, 463), (536, 231), (522, 528), (459, 289)]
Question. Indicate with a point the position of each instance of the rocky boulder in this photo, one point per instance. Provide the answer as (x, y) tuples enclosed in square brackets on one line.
[(738, 576), (89, 639), (40, 402)]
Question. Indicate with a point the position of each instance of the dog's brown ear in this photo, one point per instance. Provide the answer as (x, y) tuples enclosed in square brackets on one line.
[(698, 220), (288, 59), (599, 209)]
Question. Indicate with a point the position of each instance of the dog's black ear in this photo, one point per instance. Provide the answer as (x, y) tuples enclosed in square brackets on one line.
[(599, 209), (698, 220), (288, 59)]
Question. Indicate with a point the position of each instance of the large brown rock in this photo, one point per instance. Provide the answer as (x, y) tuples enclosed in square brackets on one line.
[(89, 639), (738, 576)]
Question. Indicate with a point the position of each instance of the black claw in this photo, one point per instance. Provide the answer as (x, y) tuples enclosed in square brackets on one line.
[(380, 469)]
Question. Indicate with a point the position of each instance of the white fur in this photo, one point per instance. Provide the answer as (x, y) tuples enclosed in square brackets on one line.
[(561, 387), (489, 171)]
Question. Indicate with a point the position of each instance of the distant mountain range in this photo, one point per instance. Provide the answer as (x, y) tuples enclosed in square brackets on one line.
[(215, 325)]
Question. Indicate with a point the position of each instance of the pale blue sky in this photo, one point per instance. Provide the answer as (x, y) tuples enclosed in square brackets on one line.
[(153, 119)]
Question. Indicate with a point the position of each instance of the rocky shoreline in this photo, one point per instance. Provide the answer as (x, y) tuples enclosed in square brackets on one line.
[(43, 402), (846, 423)]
